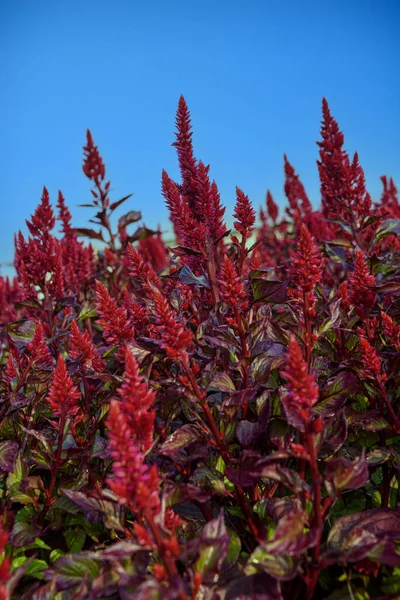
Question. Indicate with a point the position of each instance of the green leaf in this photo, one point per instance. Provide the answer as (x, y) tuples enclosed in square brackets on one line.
[(282, 567), (75, 540), (184, 436)]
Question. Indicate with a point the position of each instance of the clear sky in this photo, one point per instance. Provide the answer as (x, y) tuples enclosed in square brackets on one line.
[(253, 73)]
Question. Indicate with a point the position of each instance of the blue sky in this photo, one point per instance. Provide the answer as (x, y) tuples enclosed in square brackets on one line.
[(253, 73)]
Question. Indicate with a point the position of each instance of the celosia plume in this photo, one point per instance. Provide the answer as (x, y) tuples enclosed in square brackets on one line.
[(93, 165), (117, 329), (244, 214), (362, 298), (38, 348), (81, 347), (306, 263), (371, 360), (272, 207), (302, 388), (231, 285), (63, 395), (175, 339)]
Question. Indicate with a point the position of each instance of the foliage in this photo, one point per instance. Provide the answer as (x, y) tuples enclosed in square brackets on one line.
[(215, 420)]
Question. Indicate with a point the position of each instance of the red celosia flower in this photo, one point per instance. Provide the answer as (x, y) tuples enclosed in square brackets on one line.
[(5, 564), (231, 285), (244, 214), (211, 212), (137, 402), (187, 161), (82, 348), (117, 329), (43, 220), (295, 193), (134, 483), (391, 330), (38, 348), (137, 267), (302, 388), (93, 165), (306, 263), (272, 208), (342, 183), (154, 251), (64, 216), (63, 395), (343, 294), (360, 296), (175, 338), (371, 360)]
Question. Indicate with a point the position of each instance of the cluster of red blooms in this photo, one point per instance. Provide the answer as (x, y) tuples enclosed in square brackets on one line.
[(361, 295), (302, 388), (306, 269), (63, 395)]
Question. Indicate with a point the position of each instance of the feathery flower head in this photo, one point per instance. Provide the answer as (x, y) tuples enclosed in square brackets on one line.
[(117, 329), (306, 263), (137, 400), (371, 360), (302, 388), (244, 214), (63, 395), (82, 348), (360, 296), (137, 267), (93, 165), (43, 220), (187, 161), (174, 337), (64, 216), (134, 482), (231, 285), (295, 191), (38, 348), (272, 207)]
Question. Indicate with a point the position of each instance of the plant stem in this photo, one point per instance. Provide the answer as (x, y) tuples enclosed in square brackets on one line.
[(316, 477)]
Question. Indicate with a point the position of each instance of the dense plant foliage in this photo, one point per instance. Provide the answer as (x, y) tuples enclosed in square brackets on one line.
[(215, 420)]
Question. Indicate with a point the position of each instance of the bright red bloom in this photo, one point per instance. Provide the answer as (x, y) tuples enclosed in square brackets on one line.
[(93, 165), (154, 252), (43, 220), (244, 214), (117, 329), (302, 388), (231, 285), (371, 360), (175, 338), (272, 207), (137, 267), (134, 483), (38, 348), (187, 161), (63, 395), (82, 348), (306, 264), (295, 193), (391, 329), (360, 296), (136, 403)]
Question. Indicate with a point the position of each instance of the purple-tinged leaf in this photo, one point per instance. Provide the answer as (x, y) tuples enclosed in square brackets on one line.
[(281, 567), (387, 227), (214, 548), (21, 332), (260, 586), (70, 569), (335, 434), (187, 277), (133, 216), (222, 383), (368, 420), (24, 533), (89, 233), (185, 251), (347, 475), (271, 291), (240, 397), (180, 439), (8, 455), (334, 393), (114, 205), (288, 477)]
